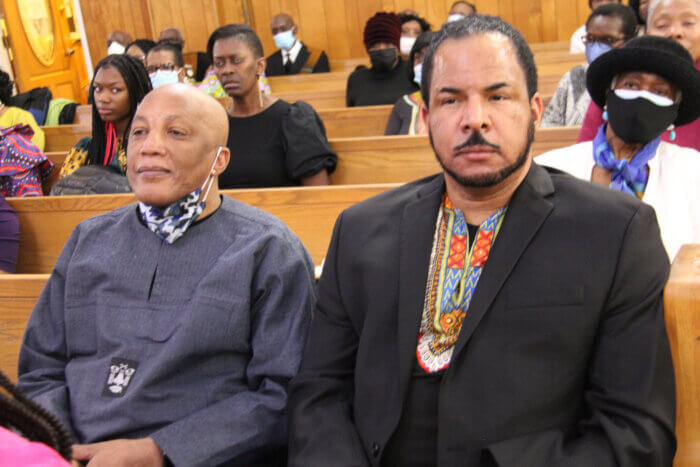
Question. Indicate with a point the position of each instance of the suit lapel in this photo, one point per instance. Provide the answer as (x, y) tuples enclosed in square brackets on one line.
[(301, 59), (416, 240), (527, 211)]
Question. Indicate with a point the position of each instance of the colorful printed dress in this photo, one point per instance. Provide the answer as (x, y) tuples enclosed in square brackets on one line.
[(77, 157), (405, 118)]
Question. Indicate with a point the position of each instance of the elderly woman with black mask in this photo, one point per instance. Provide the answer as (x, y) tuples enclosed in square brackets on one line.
[(646, 87), (389, 77)]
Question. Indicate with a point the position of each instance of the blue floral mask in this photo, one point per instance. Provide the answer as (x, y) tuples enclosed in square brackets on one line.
[(172, 221)]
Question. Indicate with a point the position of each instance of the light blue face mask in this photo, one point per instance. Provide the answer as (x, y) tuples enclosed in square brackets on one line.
[(455, 17), (418, 73), (285, 39), (595, 50), (162, 77)]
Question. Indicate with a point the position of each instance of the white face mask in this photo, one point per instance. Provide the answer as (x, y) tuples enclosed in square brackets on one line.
[(285, 40), (455, 17), (406, 44), (162, 77), (418, 73), (115, 48), (172, 221)]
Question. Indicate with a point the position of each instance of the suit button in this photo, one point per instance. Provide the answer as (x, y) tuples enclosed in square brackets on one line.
[(375, 449)]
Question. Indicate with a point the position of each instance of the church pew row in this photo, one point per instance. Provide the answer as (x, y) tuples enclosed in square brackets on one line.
[(385, 159), (400, 159), (544, 53), (320, 92), (18, 293), (341, 122), (682, 314), (46, 223)]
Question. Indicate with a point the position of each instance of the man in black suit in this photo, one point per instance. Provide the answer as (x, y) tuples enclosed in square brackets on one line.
[(497, 313), (293, 57)]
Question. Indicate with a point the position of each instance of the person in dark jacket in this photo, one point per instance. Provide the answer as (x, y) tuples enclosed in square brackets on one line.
[(293, 56), (389, 78)]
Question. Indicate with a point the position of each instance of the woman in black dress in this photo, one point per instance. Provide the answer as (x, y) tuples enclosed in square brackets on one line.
[(272, 142), (389, 78)]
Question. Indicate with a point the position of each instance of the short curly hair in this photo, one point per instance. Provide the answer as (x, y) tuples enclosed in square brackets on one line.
[(424, 25), (6, 87)]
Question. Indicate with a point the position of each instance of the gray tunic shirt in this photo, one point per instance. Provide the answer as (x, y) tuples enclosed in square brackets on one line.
[(192, 344)]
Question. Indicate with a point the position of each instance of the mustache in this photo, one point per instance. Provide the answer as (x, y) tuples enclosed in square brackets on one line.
[(476, 139)]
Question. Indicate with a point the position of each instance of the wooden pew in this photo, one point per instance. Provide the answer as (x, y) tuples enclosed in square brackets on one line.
[(308, 82), (46, 223), (400, 159), (63, 137), (682, 313), (543, 52), (18, 293), (328, 103), (340, 122), (387, 159)]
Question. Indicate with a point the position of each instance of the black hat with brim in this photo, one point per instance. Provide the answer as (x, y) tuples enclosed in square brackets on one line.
[(659, 55)]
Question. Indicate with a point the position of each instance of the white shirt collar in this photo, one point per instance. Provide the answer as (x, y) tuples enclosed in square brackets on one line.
[(292, 53)]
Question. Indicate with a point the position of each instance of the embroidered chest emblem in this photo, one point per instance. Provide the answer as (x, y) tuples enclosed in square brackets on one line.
[(121, 372), (454, 273)]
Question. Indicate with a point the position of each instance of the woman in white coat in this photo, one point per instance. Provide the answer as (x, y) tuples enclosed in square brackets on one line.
[(646, 87)]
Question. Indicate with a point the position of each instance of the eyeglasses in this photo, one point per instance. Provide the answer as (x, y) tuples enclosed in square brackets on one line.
[(162, 66), (607, 40)]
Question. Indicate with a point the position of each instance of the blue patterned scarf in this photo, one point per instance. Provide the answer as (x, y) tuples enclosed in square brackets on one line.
[(629, 176)]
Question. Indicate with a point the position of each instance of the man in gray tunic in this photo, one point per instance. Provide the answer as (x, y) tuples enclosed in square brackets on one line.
[(169, 330)]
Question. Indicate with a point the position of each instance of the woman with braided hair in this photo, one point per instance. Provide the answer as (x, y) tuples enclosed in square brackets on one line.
[(44, 440), (119, 84), (10, 115)]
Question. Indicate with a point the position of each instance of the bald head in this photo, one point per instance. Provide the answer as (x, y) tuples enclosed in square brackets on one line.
[(172, 35), (176, 135), (280, 23), (188, 101), (123, 37)]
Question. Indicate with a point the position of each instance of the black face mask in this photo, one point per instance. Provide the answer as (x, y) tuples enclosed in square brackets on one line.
[(383, 59), (638, 120)]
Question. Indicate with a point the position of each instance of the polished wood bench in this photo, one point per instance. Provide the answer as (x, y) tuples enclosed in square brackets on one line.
[(46, 222), (387, 159), (340, 122), (18, 293), (400, 159), (682, 312)]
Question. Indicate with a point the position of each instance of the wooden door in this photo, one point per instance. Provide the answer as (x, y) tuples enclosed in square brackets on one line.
[(46, 47)]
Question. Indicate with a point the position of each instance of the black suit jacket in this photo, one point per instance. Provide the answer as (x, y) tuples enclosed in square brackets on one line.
[(276, 68), (563, 357)]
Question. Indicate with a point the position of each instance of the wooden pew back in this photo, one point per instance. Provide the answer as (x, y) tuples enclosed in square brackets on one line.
[(46, 223), (400, 159), (386, 159), (682, 313), (18, 293)]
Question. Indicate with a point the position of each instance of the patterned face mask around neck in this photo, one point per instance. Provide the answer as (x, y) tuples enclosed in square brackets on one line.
[(171, 222)]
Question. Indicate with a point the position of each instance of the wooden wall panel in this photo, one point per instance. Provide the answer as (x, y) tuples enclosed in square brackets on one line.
[(332, 25), (196, 18), (231, 11), (101, 17), (336, 25)]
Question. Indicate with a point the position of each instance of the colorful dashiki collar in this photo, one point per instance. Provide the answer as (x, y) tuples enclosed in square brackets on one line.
[(629, 176), (454, 273), (417, 125)]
